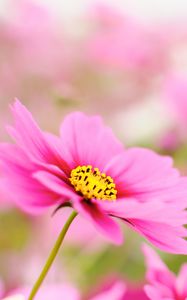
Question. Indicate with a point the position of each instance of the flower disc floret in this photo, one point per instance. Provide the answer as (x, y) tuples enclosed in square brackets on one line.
[(91, 183)]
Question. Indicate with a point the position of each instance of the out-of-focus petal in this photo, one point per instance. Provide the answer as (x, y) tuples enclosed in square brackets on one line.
[(154, 294), (100, 220), (181, 281), (15, 297), (116, 291), (157, 270)]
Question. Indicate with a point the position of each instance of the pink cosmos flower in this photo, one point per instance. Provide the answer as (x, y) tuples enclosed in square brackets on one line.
[(88, 168), (164, 284)]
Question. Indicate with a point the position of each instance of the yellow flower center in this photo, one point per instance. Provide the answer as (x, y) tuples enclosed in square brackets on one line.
[(91, 183)]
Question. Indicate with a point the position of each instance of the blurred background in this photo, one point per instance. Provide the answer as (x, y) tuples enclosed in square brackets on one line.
[(125, 60)]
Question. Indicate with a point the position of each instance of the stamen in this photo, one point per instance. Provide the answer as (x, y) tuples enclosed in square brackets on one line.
[(93, 184)]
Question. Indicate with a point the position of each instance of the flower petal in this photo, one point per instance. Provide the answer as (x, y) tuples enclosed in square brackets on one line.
[(160, 223), (157, 271), (33, 141), (88, 140), (100, 220), (142, 173), (154, 294), (129, 208), (181, 281), (116, 291), (56, 185), (166, 237), (24, 190)]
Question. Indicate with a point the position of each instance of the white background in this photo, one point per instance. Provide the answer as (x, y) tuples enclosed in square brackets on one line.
[(150, 9)]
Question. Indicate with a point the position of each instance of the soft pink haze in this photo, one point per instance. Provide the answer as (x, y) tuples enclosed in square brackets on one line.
[(175, 95), (56, 291)]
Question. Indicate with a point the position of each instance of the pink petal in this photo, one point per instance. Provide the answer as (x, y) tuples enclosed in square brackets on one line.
[(56, 185), (100, 220), (165, 237), (23, 189), (129, 208), (15, 297), (33, 141), (157, 271), (63, 291), (181, 281), (153, 261), (154, 294), (88, 140), (116, 292), (141, 173), (55, 291), (160, 223)]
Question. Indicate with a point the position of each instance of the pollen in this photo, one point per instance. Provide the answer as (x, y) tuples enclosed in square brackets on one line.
[(93, 184)]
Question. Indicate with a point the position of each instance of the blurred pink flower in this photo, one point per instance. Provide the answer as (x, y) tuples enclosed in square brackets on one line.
[(35, 53), (5, 199), (15, 297), (87, 168), (170, 141), (123, 42), (115, 291), (162, 283), (101, 65), (1, 289), (175, 95), (58, 291), (127, 49), (118, 289), (133, 293)]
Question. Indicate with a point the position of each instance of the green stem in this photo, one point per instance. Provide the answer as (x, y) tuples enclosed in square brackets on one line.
[(52, 256)]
